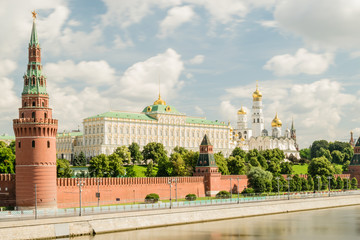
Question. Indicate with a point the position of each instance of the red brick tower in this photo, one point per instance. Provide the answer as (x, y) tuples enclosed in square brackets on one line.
[(35, 133), (206, 166)]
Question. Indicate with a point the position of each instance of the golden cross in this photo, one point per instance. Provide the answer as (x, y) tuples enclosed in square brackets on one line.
[(34, 14)]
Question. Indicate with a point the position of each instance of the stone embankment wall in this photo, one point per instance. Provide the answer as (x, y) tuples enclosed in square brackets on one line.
[(97, 224)]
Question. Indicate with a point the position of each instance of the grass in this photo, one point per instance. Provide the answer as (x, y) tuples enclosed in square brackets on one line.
[(141, 169), (300, 169)]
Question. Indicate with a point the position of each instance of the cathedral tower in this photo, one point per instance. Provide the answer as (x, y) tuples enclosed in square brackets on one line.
[(257, 113), (35, 133), (276, 127)]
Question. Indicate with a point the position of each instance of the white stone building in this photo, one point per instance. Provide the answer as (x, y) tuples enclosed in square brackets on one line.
[(257, 137), (159, 122)]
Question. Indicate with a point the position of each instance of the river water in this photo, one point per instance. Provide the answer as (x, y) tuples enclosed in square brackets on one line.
[(329, 224)]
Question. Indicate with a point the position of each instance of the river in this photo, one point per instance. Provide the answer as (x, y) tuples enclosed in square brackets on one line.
[(329, 224)]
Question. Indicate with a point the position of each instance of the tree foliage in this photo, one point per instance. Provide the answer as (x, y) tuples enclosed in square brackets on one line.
[(260, 180), (63, 169), (221, 163), (124, 153), (320, 166), (135, 153), (154, 151), (79, 160), (7, 159)]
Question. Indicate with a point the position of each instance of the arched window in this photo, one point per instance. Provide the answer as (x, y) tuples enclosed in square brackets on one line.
[(33, 143), (22, 115), (48, 144), (45, 115), (33, 103), (33, 114), (257, 120), (42, 104), (25, 104)]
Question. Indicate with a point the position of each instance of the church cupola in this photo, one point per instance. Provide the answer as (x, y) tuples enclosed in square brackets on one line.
[(276, 126)]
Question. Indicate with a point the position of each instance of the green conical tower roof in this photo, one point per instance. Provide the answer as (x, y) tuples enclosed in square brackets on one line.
[(205, 141), (34, 41)]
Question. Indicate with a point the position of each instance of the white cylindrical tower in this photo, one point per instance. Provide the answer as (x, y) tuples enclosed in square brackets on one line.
[(257, 113), (242, 119)]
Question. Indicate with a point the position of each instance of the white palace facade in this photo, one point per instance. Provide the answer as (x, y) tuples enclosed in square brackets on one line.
[(159, 122), (257, 137)]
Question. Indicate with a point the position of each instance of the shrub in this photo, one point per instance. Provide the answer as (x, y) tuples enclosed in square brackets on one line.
[(152, 198), (248, 190), (223, 194), (190, 197)]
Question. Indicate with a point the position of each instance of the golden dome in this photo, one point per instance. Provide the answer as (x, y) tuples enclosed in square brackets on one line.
[(241, 111), (159, 101), (257, 94), (276, 122)]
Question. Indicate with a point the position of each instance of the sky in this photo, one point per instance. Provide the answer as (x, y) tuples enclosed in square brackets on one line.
[(207, 54)]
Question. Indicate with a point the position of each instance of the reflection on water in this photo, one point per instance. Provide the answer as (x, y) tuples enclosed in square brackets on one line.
[(338, 223)]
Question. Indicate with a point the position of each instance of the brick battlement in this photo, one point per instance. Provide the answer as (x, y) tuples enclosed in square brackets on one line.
[(233, 177), (7, 177), (71, 182), (35, 121)]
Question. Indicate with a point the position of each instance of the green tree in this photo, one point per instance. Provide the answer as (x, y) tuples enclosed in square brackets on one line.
[(339, 183), (325, 182), (310, 183), (345, 166), (12, 147), (150, 170), (262, 162), (347, 184), (337, 157), (286, 168), (338, 169), (154, 151), (304, 184), (130, 172), (81, 159), (63, 169), (354, 183), (238, 152), (282, 183), (324, 153), (315, 147), (99, 166), (190, 159), (178, 165), (124, 153), (236, 165), (221, 163), (135, 153), (274, 166), (7, 159), (180, 150), (260, 180), (333, 183), (305, 153), (116, 168), (320, 166), (165, 167)]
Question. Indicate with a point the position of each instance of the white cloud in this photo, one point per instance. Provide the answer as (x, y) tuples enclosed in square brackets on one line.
[(120, 43), (318, 108), (302, 62), (321, 23), (198, 59), (7, 66), (126, 13), (199, 110), (92, 73), (269, 24), (228, 111), (176, 16)]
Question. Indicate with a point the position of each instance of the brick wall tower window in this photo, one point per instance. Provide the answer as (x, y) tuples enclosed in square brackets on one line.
[(33, 115), (48, 144), (33, 143), (22, 115), (19, 144), (33, 103)]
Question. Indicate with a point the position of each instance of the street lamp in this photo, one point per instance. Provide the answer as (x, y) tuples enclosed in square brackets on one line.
[(329, 178), (170, 181), (277, 178), (176, 198), (99, 180), (80, 184), (347, 183), (288, 179), (230, 191), (238, 189), (318, 177)]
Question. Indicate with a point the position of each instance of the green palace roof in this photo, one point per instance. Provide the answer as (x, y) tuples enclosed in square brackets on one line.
[(72, 134), (7, 137), (125, 115), (161, 109), (203, 121)]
